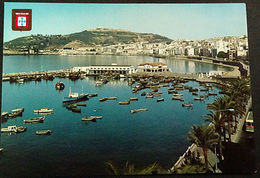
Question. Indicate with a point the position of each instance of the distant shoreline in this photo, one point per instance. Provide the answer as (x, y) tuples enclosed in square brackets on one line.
[(189, 58)]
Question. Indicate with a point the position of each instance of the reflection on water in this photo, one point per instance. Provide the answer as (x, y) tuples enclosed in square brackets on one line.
[(142, 138), (55, 62)]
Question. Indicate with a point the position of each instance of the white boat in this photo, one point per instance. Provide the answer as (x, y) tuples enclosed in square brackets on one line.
[(18, 110), (43, 110), (177, 94), (20, 80), (1, 150), (138, 110), (11, 128), (43, 132), (99, 82), (14, 128)]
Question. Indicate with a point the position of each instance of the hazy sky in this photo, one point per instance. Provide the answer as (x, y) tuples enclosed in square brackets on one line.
[(176, 21)]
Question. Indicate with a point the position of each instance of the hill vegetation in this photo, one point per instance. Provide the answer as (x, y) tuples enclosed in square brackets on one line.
[(82, 39)]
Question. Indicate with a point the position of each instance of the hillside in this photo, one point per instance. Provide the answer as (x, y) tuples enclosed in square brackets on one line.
[(98, 36)]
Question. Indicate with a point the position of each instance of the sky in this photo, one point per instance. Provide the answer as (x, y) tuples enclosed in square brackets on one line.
[(175, 21)]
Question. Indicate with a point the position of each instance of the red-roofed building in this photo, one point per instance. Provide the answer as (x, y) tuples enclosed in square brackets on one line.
[(153, 67)]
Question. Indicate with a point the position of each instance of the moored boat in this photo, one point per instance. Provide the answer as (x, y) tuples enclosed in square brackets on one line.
[(178, 94), (43, 132), (77, 110), (60, 86), (43, 110), (160, 99), (150, 96), (92, 95), (134, 99), (124, 102), (199, 99), (143, 93), (91, 118), (81, 104), (138, 110), (187, 105), (18, 110), (35, 120)]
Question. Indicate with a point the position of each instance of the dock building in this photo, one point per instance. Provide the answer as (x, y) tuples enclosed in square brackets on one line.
[(102, 69), (153, 67)]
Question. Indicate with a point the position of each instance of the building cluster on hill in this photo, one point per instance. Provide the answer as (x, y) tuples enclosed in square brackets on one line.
[(230, 48)]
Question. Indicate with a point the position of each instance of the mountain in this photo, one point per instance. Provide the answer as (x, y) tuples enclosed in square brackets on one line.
[(99, 36)]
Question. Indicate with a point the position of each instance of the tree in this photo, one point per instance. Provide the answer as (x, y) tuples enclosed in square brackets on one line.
[(191, 169), (203, 136), (219, 122), (129, 169), (222, 54), (223, 103)]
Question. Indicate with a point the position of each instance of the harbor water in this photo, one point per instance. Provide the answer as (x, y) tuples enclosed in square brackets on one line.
[(77, 148)]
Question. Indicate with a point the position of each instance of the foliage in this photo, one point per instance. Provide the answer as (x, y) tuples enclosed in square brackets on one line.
[(87, 37), (203, 136), (222, 54), (129, 169), (191, 169)]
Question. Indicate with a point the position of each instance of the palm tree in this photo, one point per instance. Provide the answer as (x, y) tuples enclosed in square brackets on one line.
[(203, 136), (218, 121), (191, 169), (223, 103), (129, 169)]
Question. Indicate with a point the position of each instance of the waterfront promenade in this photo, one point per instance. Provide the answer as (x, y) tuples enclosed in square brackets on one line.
[(212, 159)]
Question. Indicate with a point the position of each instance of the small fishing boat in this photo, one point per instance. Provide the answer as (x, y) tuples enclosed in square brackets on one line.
[(21, 129), (204, 89), (178, 94), (199, 99), (75, 97), (35, 120), (160, 99), (1, 150), (138, 110), (195, 93), (15, 114), (60, 86), (143, 93), (102, 99), (187, 105), (177, 98), (81, 104), (124, 102), (43, 132), (99, 82), (91, 118), (77, 110), (14, 128), (157, 94), (134, 99), (93, 95), (111, 98), (150, 96), (18, 110), (43, 110), (20, 81), (11, 128)]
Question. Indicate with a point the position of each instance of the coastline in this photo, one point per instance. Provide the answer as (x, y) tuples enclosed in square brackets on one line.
[(189, 58)]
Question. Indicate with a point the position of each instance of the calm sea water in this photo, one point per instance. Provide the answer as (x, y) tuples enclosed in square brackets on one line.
[(55, 62), (78, 148)]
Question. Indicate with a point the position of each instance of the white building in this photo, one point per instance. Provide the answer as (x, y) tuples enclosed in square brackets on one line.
[(215, 73), (153, 67), (102, 69)]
